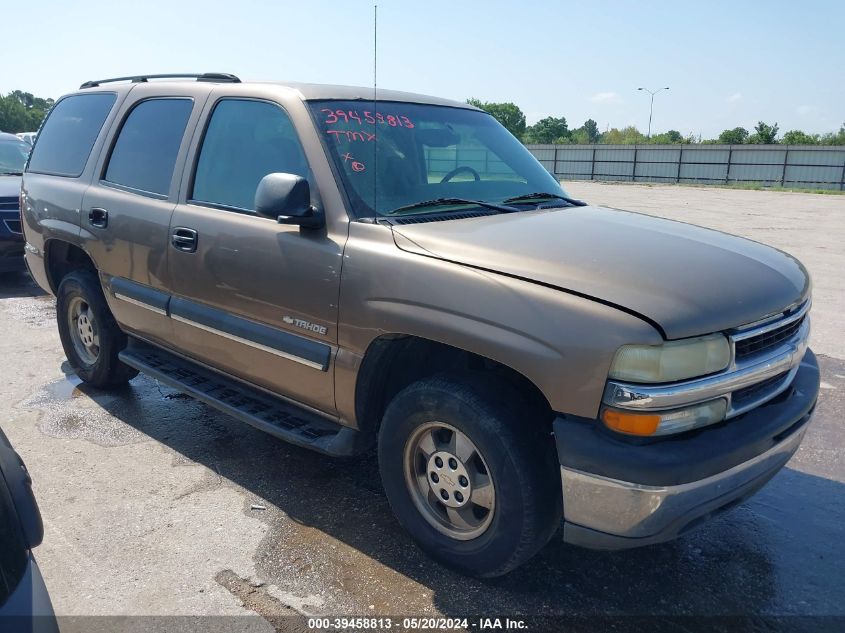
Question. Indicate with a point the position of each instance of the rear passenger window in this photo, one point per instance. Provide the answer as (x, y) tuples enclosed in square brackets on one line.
[(245, 140), (68, 135), (145, 152)]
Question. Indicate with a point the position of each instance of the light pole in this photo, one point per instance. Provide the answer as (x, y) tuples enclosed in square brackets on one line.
[(651, 108)]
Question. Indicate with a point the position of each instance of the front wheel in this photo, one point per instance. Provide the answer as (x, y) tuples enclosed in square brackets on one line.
[(90, 336), (470, 472)]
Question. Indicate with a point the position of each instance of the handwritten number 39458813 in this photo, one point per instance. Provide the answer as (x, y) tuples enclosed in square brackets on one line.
[(347, 116)]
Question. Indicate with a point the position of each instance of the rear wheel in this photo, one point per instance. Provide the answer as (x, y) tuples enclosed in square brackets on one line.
[(470, 472), (90, 336)]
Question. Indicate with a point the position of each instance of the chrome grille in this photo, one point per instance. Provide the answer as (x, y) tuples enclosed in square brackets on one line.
[(758, 344), (767, 340)]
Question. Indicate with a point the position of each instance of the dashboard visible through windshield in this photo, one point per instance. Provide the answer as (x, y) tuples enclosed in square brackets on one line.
[(391, 156)]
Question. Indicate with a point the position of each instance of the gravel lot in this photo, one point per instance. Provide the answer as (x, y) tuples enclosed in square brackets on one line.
[(149, 498)]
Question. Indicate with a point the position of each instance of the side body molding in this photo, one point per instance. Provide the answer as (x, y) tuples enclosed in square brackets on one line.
[(140, 295), (257, 335), (290, 346)]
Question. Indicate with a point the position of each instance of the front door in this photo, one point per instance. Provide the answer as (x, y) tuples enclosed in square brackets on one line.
[(251, 297)]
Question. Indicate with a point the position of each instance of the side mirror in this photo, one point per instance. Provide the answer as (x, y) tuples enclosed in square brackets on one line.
[(287, 198)]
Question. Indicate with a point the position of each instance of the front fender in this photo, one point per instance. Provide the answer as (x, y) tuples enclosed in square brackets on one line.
[(561, 342)]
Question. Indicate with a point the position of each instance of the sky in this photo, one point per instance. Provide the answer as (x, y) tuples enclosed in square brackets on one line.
[(727, 63)]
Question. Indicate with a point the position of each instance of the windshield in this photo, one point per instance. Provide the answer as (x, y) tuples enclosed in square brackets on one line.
[(407, 153), (13, 155)]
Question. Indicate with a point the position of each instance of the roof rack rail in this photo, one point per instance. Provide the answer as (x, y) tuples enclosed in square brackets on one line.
[(211, 77)]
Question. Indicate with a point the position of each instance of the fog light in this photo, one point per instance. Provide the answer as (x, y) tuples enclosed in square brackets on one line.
[(654, 423)]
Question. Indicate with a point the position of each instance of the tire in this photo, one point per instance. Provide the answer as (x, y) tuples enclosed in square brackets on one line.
[(510, 444), (97, 364)]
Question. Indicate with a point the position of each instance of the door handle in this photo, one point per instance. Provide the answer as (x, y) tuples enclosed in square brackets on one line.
[(184, 239), (98, 217)]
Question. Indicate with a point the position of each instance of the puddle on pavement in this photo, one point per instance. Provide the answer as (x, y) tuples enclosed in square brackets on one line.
[(71, 424), (64, 389), (70, 411)]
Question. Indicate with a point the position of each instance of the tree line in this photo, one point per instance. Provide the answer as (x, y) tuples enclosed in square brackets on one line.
[(556, 130), (22, 112)]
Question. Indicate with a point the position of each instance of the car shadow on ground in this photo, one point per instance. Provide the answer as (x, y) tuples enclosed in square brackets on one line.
[(777, 554), (17, 285)]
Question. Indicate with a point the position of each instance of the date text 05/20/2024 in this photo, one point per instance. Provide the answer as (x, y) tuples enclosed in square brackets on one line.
[(428, 624)]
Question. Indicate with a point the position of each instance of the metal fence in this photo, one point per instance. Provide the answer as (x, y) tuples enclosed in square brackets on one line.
[(802, 166)]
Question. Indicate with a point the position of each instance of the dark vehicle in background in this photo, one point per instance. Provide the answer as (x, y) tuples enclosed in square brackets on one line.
[(24, 602), (13, 154)]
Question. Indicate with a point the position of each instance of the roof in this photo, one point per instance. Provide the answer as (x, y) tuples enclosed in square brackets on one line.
[(353, 93), (308, 91)]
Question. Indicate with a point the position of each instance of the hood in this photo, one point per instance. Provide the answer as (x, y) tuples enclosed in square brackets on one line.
[(687, 279), (10, 186)]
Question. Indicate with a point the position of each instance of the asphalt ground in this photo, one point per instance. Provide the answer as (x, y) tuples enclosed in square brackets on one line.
[(155, 504)]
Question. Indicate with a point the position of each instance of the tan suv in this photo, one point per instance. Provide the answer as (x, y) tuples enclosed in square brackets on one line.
[(345, 271)]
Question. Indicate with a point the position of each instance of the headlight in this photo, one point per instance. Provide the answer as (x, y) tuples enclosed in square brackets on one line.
[(672, 361), (651, 423)]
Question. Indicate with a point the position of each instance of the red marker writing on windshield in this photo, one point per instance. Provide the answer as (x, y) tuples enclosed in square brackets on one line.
[(356, 166)]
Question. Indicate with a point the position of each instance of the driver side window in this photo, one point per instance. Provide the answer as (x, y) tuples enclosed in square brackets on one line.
[(245, 140)]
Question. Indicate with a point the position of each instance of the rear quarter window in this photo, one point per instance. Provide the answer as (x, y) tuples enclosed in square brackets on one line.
[(68, 135)]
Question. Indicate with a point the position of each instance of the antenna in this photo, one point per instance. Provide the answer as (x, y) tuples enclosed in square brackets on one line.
[(375, 51), (375, 108)]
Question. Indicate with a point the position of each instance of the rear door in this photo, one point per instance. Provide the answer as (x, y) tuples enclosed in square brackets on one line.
[(126, 211), (253, 298)]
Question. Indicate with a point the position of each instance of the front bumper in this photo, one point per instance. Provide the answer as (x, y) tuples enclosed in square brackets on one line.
[(618, 494)]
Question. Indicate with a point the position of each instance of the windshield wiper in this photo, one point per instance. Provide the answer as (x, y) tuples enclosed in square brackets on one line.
[(11, 173), (541, 195), (442, 202)]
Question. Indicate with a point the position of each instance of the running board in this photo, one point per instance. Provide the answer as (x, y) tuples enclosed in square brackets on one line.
[(265, 412)]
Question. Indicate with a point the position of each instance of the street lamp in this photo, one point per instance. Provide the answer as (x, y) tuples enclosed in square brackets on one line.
[(651, 108)]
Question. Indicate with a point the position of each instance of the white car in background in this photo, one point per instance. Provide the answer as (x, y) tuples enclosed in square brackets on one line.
[(29, 137)]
